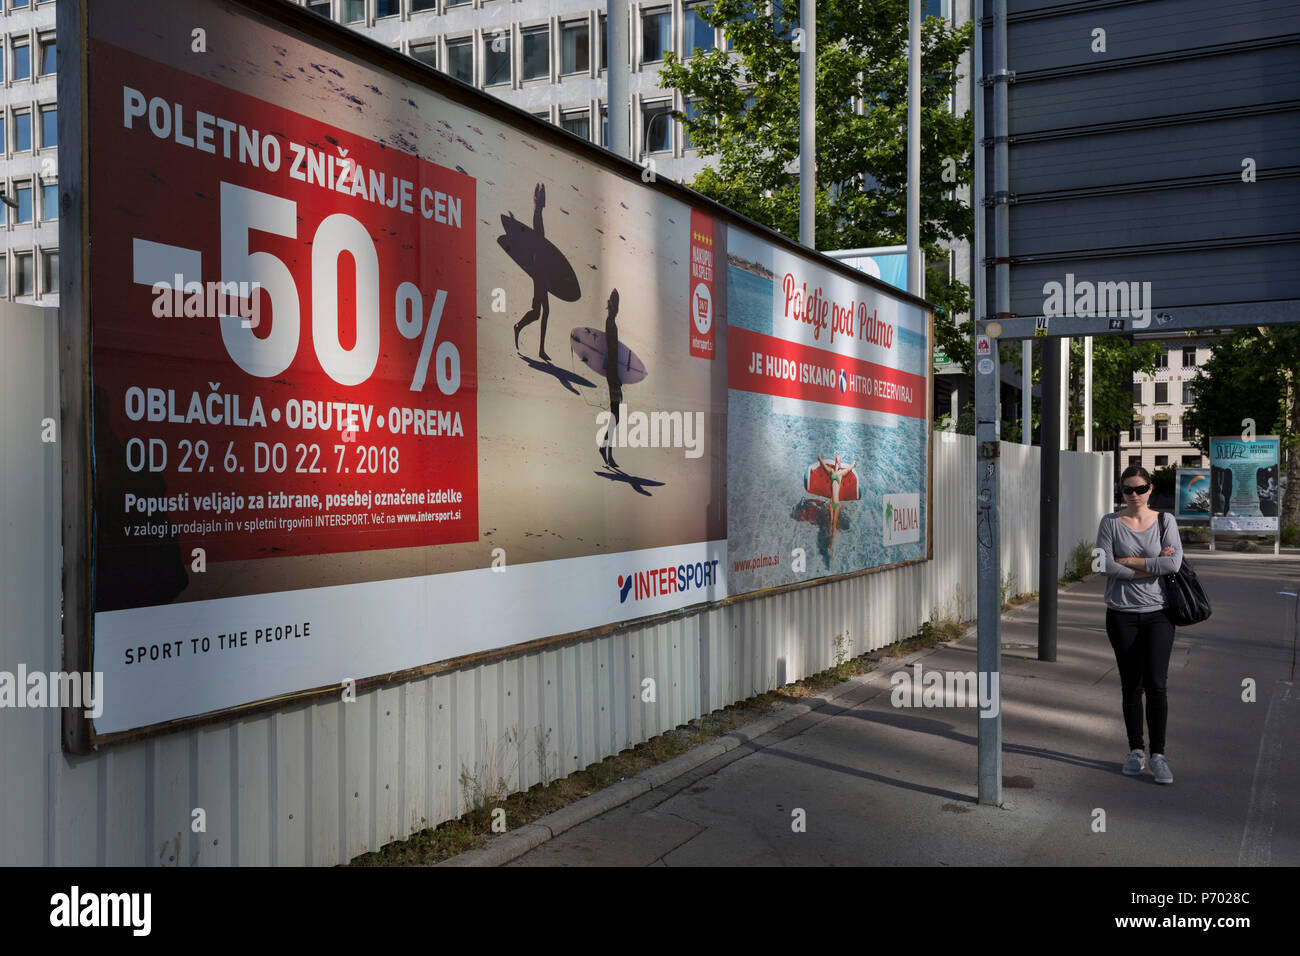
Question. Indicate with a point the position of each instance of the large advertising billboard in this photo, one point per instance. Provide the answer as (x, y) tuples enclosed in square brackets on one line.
[(1245, 488), (383, 376)]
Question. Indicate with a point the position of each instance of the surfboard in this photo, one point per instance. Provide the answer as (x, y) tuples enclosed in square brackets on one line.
[(539, 257), (589, 345), (817, 482)]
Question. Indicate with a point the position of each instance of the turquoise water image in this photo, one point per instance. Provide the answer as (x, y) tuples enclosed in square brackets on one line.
[(768, 454)]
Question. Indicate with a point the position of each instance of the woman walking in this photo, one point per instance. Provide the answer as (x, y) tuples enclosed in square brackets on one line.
[(1138, 553)]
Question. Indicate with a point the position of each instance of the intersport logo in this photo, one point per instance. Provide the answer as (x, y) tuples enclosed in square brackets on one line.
[(657, 582)]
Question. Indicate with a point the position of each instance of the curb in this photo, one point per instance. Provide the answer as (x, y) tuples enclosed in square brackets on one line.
[(514, 844)]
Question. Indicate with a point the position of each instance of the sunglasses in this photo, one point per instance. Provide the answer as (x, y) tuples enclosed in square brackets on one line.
[(1136, 489)]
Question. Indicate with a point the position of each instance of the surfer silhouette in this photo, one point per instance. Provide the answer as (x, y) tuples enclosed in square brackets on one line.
[(611, 377), (541, 307), (835, 471)]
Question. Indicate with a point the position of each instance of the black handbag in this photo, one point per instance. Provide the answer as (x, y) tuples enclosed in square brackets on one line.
[(1185, 600)]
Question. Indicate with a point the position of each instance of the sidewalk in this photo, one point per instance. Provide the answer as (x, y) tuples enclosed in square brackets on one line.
[(881, 785)]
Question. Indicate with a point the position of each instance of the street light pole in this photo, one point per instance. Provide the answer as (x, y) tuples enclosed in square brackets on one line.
[(808, 124)]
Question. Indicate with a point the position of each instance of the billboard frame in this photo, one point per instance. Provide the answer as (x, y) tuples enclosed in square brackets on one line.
[(77, 735)]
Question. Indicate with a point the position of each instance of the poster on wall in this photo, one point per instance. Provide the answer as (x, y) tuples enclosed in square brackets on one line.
[(1245, 487), (828, 421), (382, 377), (1192, 494)]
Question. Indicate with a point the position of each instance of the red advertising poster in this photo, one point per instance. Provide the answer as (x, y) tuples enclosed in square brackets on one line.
[(703, 275), (330, 407)]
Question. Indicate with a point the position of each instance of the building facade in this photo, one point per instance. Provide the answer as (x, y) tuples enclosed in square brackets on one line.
[(29, 155), (1156, 438)]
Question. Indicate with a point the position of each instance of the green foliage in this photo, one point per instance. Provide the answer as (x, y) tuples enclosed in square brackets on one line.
[(861, 131), (1244, 378)]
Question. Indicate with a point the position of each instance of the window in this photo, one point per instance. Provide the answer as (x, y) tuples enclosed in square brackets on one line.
[(1189, 395), (23, 196), (575, 47), (50, 272), (1162, 461), (2, 132), (496, 57), (1162, 429), (387, 8), (1162, 393), (699, 35), (49, 201), (22, 131), (934, 8), (19, 4), (24, 278), (1162, 359), (460, 59), (49, 57), (49, 126), (656, 34), (22, 61), (577, 122), (354, 10), (319, 6), (1137, 393), (457, 3), (604, 126), (537, 53), (426, 53), (691, 111), (418, 5), (4, 277), (1134, 460), (1191, 461), (656, 128), (544, 116), (1189, 356), (1135, 430)]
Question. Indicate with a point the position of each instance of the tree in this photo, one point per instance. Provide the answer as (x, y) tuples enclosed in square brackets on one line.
[(745, 112), (1254, 374)]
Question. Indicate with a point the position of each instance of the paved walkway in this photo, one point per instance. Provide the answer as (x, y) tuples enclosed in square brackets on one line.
[(881, 785)]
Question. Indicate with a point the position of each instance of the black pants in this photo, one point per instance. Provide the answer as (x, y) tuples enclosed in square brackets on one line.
[(1142, 641)]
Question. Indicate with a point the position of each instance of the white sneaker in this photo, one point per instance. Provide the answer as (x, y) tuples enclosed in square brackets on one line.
[(1135, 764), (1160, 769)]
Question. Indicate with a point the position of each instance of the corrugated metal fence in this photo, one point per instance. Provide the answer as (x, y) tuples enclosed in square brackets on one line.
[(320, 783)]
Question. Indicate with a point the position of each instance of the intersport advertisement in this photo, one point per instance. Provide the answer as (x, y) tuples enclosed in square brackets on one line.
[(380, 381)]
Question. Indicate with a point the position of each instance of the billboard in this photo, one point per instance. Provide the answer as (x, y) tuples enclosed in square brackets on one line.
[(381, 375), (1192, 494), (1245, 490)]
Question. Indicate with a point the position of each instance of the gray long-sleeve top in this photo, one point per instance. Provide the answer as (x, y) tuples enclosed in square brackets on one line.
[(1115, 539)]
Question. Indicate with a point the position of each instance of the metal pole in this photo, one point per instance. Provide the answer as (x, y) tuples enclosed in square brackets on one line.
[(808, 124), (1049, 494), (914, 271), (1065, 394), (987, 530), (1087, 393), (1027, 389), (617, 70)]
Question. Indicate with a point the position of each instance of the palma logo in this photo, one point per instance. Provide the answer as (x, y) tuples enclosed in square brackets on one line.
[(902, 519)]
